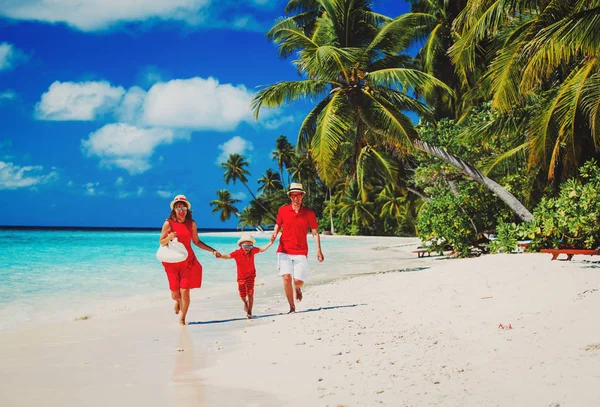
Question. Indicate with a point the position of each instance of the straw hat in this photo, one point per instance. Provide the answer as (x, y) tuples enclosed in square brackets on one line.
[(296, 187), (246, 237), (181, 198)]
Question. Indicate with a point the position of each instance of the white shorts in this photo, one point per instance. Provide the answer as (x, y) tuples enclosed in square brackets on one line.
[(294, 264)]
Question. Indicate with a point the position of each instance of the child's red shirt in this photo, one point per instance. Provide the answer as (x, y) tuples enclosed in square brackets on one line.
[(245, 262)]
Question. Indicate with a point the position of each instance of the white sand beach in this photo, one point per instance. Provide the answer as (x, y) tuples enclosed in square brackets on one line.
[(394, 330)]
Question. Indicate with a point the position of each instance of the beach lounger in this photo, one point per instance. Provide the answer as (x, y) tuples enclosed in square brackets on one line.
[(421, 252), (570, 252)]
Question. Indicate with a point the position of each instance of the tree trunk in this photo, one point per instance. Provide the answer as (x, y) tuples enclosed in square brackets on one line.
[(258, 202), (331, 212), (419, 194), (513, 203)]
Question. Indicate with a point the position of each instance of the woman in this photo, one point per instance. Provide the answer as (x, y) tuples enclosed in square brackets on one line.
[(185, 275)]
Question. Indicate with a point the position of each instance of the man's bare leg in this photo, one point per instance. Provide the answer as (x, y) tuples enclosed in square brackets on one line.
[(185, 304), (298, 284), (177, 297), (289, 291)]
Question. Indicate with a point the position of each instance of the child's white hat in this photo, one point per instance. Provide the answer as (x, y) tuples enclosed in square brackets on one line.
[(246, 237)]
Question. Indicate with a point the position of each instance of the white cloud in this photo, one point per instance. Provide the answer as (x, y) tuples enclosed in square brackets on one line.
[(14, 177), (93, 15), (78, 100), (277, 122), (128, 147), (234, 145), (10, 56), (197, 103), (119, 181), (7, 95), (91, 188), (98, 15), (164, 194), (130, 109), (239, 195)]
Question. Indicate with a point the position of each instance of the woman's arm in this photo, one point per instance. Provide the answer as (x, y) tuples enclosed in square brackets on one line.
[(166, 235), (200, 243)]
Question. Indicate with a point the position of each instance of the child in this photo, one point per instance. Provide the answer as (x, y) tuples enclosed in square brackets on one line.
[(246, 272)]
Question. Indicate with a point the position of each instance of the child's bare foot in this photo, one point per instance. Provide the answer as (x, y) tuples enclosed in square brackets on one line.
[(176, 308), (249, 315), (298, 294)]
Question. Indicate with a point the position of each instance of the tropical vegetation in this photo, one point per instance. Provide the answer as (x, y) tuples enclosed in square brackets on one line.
[(507, 96)]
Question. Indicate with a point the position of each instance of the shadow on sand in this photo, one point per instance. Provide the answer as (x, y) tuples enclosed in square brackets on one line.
[(222, 321)]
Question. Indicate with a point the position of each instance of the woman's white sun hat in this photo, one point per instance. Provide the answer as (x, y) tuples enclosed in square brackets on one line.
[(246, 237), (296, 187), (181, 198)]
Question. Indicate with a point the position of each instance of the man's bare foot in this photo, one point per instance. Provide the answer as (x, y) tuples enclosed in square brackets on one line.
[(176, 308), (298, 294), (182, 322), (292, 311)]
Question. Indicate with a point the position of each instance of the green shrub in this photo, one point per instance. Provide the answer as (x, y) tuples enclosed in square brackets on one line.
[(506, 238), (572, 218), (442, 222)]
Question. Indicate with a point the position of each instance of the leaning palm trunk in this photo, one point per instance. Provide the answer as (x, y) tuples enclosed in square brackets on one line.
[(261, 205), (473, 173)]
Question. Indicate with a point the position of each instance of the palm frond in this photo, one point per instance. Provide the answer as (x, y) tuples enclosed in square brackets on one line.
[(406, 79), (333, 122), (395, 37), (286, 92)]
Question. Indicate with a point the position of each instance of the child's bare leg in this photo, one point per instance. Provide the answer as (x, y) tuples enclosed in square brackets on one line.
[(250, 304), (185, 304), (245, 301)]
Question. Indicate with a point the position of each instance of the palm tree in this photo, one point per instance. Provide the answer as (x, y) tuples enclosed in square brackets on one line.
[(353, 68), (269, 182), (354, 208), (235, 169), (543, 76), (438, 16), (283, 154), (225, 204)]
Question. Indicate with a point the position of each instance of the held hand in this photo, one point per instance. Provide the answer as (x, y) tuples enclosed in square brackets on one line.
[(320, 256), (217, 254), (273, 236)]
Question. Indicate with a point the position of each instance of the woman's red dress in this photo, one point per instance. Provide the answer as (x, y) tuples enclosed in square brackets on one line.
[(188, 273)]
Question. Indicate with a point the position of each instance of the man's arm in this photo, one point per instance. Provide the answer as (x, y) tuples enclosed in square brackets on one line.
[(275, 232), (315, 233)]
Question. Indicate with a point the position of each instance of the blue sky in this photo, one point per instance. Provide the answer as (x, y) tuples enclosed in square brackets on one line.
[(109, 108)]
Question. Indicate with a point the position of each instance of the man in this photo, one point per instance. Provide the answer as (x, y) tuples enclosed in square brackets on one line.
[(294, 221)]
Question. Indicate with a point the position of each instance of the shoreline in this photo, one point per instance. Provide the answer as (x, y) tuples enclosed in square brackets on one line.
[(382, 331)]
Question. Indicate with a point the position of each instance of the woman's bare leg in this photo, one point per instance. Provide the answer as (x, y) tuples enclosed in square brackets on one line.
[(185, 304), (177, 297)]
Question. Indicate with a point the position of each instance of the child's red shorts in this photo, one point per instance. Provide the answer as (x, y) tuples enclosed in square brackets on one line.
[(246, 285)]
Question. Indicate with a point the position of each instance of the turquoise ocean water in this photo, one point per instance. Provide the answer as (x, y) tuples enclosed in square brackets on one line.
[(49, 276)]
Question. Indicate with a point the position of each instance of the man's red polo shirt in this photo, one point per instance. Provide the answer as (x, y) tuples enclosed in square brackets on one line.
[(294, 229)]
